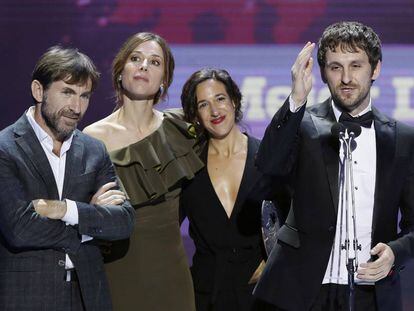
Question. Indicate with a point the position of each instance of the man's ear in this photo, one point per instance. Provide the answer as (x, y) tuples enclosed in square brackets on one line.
[(377, 71), (37, 91)]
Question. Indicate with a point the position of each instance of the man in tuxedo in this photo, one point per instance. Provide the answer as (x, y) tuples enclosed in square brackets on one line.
[(56, 200), (307, 268)]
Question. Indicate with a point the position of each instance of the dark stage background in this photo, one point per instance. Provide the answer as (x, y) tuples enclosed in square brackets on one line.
[(256, 40)]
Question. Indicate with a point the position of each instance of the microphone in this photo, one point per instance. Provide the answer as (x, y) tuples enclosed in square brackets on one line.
[(338, 129), (354, 129)]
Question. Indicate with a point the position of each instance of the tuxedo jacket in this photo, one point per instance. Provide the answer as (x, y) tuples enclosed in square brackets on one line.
[(300, 148), (33, 248)]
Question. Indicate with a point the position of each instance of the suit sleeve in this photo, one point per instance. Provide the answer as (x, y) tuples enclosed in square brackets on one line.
[(20, 226), (278, 149), (111, 222), (403, 247)]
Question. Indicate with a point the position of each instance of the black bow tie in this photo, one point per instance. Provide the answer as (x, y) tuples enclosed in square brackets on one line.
[(365, 120)]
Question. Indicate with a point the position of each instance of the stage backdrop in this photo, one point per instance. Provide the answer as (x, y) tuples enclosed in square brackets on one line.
[(255, 40)]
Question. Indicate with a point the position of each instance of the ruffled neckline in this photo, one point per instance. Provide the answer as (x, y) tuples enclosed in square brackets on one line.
[(153, 166)]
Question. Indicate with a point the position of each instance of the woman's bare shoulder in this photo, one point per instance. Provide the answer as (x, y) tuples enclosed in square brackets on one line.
[(103, 128)]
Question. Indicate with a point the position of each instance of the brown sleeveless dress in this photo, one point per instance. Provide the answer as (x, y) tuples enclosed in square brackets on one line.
[(149, 271)]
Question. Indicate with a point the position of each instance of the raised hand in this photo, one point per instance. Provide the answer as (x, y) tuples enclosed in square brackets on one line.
[(302, 74), (105, 196), (379, 268)]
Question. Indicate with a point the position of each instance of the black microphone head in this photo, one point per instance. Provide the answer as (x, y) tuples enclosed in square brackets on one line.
[(337, 128), (353, 145), (354, 128)]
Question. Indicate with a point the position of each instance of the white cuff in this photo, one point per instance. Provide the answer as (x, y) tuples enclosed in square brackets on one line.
[(294, 107), (71, 217), (86, 238)]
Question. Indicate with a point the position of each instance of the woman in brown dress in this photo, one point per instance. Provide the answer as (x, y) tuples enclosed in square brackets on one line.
[(153, 154)]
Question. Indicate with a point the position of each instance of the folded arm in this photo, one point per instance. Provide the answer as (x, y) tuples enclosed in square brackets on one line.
[(20, 225), (109, 221)]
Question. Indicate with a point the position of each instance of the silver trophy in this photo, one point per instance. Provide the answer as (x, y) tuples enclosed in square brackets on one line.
[(270, 225)]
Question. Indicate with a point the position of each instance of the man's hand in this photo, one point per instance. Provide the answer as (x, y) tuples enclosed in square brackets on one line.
[(302, 74), (52, 209), (380, 268), (104, 196)]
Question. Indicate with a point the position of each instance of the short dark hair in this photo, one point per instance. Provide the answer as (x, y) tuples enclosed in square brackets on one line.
[(67, 64), (125, 51), (349, 36), (189, 98)]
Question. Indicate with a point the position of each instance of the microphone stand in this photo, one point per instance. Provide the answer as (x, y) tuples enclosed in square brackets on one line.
[(347, 137)]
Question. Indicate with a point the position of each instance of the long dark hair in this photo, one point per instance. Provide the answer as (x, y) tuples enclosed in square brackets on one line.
[(189, 98)]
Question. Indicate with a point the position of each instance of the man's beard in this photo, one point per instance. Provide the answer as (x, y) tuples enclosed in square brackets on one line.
[(347, 105), (52, 119)]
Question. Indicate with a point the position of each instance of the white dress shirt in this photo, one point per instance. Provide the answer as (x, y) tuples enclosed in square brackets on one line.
[(364, 161), (57, 164)]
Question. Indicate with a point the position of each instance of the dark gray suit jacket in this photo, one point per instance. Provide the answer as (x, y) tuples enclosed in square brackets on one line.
[(32, 248), (300, 145)]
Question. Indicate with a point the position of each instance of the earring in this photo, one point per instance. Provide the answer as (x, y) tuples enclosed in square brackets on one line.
[(161, 89), (119, 78)]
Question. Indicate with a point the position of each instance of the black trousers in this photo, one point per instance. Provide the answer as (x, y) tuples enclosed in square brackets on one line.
[(72, 296), (228, 300), (334, 297)]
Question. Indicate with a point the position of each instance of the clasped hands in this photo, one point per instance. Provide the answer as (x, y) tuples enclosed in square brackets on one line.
[(55, 209)]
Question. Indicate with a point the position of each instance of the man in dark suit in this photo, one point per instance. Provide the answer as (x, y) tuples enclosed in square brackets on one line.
[(50, 219), (307, 268)]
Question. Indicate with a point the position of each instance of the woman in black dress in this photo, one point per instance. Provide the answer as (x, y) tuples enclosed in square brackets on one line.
[(223, 201)]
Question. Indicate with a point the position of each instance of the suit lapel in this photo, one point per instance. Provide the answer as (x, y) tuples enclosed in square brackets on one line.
[(386, 144), (323, 118), (73, 165), (30, 145)]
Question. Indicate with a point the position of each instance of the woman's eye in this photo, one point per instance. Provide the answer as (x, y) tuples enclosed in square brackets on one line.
[(202, 105)]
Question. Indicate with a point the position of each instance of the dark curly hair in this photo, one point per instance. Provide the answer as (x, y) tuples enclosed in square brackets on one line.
[(350, 36), (189, 98)]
